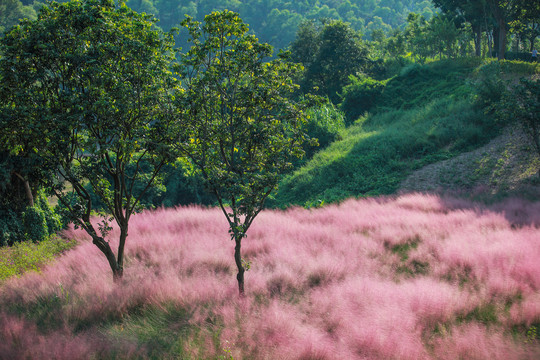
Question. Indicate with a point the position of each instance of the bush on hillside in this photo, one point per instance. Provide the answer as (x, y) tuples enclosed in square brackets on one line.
[(394, 65), (35, 224), (488, 86), (324, 124), (360, 96), (521, 103), (11, 229)]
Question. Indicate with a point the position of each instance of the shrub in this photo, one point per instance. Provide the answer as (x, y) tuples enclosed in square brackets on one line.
[(53, 220), (394, 65), (11, 230), (521, 56), (35, 224), (325, 123), (488, 86), (360, 96)]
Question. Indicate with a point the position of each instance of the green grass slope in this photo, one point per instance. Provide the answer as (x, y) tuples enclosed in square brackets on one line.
[(424, 115)]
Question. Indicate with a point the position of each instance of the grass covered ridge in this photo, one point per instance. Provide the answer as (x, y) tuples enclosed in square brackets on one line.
[(379, 151), (424, 115), (413, 277)]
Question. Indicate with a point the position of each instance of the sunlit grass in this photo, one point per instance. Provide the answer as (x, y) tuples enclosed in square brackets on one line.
[(27, 256)]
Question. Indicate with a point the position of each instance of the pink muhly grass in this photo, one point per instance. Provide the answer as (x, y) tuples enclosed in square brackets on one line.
[(22, 340), (526, 312), (475, 342), (366, 279)]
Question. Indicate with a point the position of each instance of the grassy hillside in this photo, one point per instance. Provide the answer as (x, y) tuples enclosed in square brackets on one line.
[(416, 277), (424, 115)]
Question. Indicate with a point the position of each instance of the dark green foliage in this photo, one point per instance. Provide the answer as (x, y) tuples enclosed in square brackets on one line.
[(521, 56), (360, 96), (13, 10), (330, 53), (522, 104), (275, 22), (488, 86), (324, 123), (53, 220), (394, 65), (184, 185), (34, 223), (11, 229), (179, 183)]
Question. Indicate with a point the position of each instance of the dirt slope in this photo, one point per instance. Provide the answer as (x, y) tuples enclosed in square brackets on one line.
[(507, 165)]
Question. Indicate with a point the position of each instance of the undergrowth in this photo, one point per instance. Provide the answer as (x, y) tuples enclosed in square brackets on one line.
[(26, 256)]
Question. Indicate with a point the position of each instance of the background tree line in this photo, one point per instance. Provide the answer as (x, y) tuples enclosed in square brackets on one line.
[(272, 21)]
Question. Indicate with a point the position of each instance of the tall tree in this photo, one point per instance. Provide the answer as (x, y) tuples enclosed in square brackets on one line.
[(330, 54), (89, 83), (240, 128), (472, 11)]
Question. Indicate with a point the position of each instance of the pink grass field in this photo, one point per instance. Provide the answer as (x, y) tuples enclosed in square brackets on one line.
[(411, 277)]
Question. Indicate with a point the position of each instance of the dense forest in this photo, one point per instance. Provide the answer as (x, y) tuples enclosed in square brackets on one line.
[(273, 21)]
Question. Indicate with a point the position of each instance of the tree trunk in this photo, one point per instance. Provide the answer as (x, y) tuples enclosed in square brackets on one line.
[(239, 265), (490, 44), (121, 245), (496, 39), (27, 189), (502, 39), (478, 41), (104, 247)]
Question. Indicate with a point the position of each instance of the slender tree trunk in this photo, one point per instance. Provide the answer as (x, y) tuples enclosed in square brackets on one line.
[(496, 39), (478, 41), (239, 265), (27, 189), (104, 247), (502, 39), (490, 44), (121, 245)]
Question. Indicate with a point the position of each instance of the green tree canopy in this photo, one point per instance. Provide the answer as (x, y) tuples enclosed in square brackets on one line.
[(88, 86), (330, 54)]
